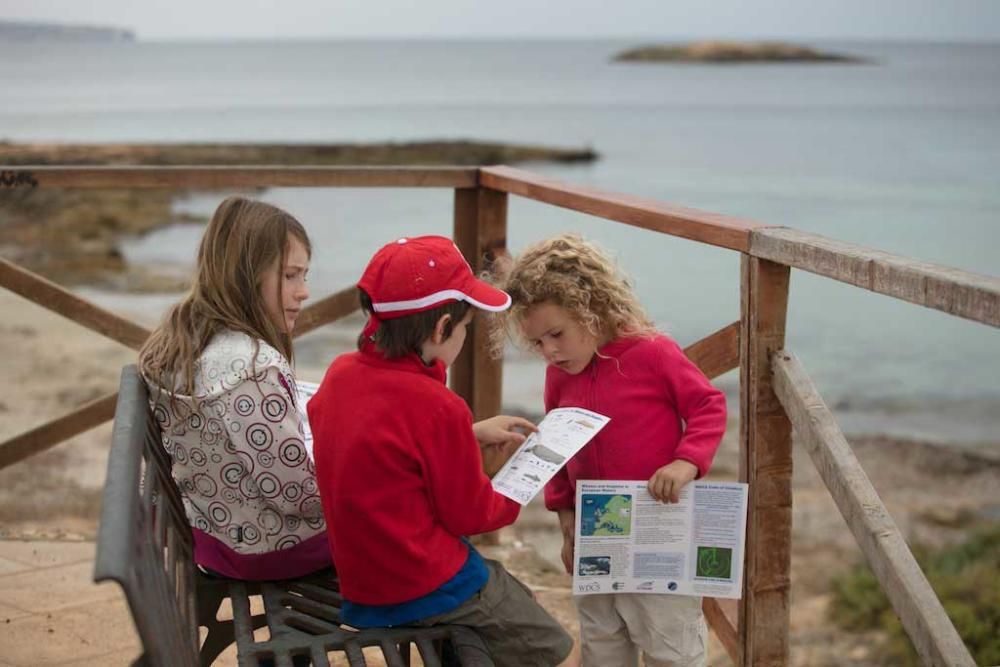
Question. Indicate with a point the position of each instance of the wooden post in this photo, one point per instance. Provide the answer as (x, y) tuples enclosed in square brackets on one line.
[(480, 232), (766, 465)]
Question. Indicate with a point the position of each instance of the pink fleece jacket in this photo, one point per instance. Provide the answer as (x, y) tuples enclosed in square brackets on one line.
[(662, 408)]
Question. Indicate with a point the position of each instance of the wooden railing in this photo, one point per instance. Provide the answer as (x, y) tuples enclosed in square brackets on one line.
[(775, 392)]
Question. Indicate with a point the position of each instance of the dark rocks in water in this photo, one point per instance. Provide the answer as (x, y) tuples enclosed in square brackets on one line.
[(460, 153), (722, 52)]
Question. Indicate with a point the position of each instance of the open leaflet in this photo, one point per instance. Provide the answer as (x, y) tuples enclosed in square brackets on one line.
[(562, 433), (304, 392), (628, 542)]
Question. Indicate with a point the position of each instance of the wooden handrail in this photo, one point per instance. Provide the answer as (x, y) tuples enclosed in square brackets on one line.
[(717, 353), (688, 223), (55, 431), (965, 294), (771, 386), (215, 177), (49, 295), (57, 299), (919, 609), (328, 309)]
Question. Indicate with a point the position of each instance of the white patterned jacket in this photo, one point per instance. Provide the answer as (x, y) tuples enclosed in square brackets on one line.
[(237, 448)]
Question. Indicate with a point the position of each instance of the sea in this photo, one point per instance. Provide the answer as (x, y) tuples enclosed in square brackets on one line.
[(900, 154)]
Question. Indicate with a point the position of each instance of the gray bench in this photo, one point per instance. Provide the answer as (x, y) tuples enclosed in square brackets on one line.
[(145, 545)]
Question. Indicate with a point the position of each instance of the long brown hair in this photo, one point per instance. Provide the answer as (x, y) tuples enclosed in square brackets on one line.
[(243, 240)]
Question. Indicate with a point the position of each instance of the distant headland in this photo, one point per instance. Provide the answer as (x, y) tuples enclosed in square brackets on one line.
[(22, 31), (724, 52)]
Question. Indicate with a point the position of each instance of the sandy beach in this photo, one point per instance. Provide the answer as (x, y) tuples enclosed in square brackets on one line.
[(936, 494)]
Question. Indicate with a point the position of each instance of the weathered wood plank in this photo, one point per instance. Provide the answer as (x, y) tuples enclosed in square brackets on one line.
[(218, 177), (63, 302), (62, 428), (480, 232), (711, 228), (465, 218), (965, 294), (919, 609), (721, 615), (766, 465), (717, 353), (328, 309)]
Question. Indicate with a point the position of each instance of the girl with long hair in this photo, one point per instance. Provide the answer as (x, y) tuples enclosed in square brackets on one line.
[(223, 392)]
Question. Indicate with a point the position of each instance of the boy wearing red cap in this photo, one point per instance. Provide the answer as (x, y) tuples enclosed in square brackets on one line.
[(400, 470)]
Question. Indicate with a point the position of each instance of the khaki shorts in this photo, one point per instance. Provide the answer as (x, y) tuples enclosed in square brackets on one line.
[(516, 629), (668, 629)]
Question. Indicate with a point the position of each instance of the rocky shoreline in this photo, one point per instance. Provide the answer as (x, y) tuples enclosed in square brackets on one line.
[(72, 236)]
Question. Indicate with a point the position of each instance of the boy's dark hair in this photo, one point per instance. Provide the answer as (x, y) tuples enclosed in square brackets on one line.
[(400, 336)]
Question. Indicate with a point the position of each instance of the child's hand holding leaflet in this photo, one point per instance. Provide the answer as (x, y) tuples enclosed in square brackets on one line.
[(562, 433)]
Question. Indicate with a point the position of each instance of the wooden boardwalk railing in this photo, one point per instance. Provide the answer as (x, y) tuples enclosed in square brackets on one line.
[(775, 393)]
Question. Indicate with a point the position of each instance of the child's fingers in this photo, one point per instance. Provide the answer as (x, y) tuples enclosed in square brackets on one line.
[(659, 487), (521, 424), (567, 556)]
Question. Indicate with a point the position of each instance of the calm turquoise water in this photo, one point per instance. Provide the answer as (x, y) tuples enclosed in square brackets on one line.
[(903, 155)]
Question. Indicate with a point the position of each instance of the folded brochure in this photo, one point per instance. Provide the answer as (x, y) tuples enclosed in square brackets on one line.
[(562, 433)]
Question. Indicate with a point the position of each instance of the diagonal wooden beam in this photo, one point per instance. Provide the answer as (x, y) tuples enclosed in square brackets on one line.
[(49, 295), (721, 615), (99, 411), (337, 305), (52, 433), (717, 353), (924, 619)]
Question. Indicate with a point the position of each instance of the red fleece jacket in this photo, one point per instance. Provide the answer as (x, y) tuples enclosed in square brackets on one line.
[(400, 476), (662, 408)]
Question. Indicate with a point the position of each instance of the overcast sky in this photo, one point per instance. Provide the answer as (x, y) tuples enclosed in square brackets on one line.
[(939, 20)]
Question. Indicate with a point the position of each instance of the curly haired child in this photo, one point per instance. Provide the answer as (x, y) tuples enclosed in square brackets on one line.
[(571, 304)]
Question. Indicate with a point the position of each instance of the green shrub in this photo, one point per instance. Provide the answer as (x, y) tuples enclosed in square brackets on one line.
[(965, 578)]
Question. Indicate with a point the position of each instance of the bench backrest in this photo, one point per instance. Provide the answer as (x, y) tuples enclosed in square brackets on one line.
[(144, 542)]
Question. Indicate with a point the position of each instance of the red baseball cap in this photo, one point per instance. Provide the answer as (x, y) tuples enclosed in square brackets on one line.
[(411, 275)]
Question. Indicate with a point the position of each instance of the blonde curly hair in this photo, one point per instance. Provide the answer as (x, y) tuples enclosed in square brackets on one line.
[(572, 273)]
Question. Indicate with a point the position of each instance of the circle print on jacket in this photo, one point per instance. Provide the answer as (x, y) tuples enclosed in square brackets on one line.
[(205, 485), (274, 407), (270, 521), (251, 533), (292, 452), (291, 491), (269, 485), (288, 541), (259, 436), (244, 405), (220, 514), (232, 473)]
